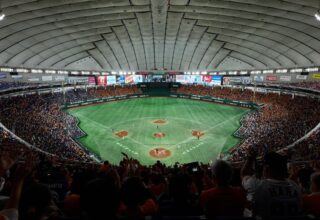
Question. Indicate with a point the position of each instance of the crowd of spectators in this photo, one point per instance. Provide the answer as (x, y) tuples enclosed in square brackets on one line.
[(306, 85), (9, 85), (39, 120), (280, 121)]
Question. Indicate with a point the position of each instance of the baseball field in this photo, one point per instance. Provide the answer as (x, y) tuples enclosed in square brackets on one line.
[(167, 129)]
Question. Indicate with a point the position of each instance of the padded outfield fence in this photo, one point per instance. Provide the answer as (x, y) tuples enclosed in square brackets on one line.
[(243, 104)]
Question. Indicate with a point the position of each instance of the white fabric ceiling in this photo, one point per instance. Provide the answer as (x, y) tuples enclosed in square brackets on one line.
[(185, 35)]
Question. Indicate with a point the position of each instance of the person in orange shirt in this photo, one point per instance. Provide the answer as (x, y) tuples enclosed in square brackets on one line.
[(311, 203), (223, 200)]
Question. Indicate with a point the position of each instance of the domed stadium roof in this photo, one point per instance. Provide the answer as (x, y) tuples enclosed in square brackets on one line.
[(185, 35)]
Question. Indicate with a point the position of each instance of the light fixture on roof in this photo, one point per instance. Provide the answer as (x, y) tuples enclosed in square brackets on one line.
[(317, 15), (2, 16)]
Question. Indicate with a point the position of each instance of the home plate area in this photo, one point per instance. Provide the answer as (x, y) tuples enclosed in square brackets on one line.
[(160, 153)]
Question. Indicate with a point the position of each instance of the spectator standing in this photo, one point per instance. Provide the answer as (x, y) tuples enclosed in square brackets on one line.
[(311, 203), (223, 200)]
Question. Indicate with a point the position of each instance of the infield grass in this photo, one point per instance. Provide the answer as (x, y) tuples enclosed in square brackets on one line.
[(136, 116)]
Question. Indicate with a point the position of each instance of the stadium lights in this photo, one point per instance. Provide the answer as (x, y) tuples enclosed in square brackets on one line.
[(282, 71), (4, 69), (204, 73), (22, 70), (2, 16), (317, 15), (50, 71), (62, 72), (267, 71), (85, 72), (36, 71), (256, 72), (312, 69), (296, 70)]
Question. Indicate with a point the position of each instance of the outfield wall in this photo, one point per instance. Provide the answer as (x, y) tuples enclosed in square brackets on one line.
[(243, 104)]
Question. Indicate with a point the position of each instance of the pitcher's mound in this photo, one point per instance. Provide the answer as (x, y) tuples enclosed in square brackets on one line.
[(197, 133), (159, 122), (160, 153), (159, 135), (121, 134)]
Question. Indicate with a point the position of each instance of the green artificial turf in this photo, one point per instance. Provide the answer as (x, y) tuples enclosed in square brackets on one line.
[(136, 116)]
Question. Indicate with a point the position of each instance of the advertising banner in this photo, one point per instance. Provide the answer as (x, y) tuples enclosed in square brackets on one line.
[(121, 79), (75, 80), (3, 75), (216, 80), (285, 78), (316, 76), (137, 79), (302, 77), (271, 78), (111, 80), (207, 79), (258, 78), (33, 79), (92, 80), (129, 79), (59, 78), (16, 77), (196, 79), (180, 78), (102, 80), (183, 79), (231, 80), (246, 80), (46, 78)]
